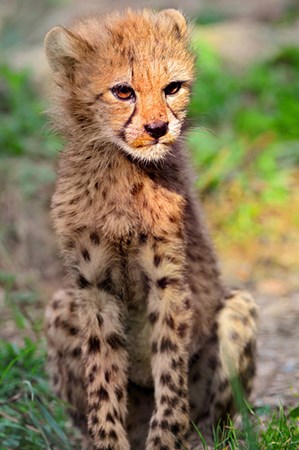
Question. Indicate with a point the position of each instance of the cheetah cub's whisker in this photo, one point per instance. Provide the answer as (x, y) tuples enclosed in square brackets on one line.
[(143, 337)]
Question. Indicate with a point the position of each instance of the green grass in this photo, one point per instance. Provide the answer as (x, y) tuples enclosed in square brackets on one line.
[(31, 417), (244, 140), (277, 429), (23, 125), (248, 124)]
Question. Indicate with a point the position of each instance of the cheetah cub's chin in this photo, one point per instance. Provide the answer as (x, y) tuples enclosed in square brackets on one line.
[(146, 340)]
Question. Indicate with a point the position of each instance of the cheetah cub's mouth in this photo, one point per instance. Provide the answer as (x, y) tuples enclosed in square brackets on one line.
[(124, 81)]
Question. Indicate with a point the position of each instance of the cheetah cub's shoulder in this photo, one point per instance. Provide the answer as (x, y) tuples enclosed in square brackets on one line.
[(147, 315)]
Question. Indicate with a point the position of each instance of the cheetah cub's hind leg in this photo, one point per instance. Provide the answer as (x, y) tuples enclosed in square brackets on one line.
[(229, 353), (64, 365)]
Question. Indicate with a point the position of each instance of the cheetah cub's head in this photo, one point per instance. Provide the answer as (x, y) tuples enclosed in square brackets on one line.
[(124, 79)]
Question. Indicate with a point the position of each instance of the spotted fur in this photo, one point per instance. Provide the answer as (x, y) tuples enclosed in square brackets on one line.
[(148, 312)]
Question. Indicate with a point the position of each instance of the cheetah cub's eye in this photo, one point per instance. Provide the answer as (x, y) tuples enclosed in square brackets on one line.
[(173, 87), (123, 92)]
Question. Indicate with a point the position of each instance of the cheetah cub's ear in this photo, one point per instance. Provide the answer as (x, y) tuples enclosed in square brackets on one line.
[(178, 20), (63, 50)]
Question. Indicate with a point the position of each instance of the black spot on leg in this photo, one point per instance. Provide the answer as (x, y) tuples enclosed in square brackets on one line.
[(73, 307), (153, 317), (177, 363), (175, 428), (195, 358), (110, 418), (157, 441), (164, 399), (167, 412), (91, 377), (174, 401), (119, 393), (56, 304), (94, 344), (249, 349), (85, 255), (163, 282), (103, 394), (164, 425), (76, 352), (167, 345), (73, 331), (116, 341), (102, 434), (94, 368), (69, 244), (82, 282), (165, 379), (115, 413), (182, 330), (169, 322), (114, 368), (146, 282), (94, 420), (184, 408), (112, 435), (154, 424), (92, 406), (187, 304), (106, 284), (94, 237), (142, 238), (154, 347), (157, 260)]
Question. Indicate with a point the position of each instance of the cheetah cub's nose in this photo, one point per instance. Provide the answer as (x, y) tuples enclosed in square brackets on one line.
[(156, 129)]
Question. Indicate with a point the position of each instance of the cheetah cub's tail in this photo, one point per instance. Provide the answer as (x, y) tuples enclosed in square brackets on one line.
[(237, 328)]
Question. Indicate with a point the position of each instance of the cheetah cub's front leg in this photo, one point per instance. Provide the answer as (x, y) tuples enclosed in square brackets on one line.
[(95, 267), (169, 312)]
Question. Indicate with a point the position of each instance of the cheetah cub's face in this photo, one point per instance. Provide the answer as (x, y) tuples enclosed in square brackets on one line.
[(125, 79)]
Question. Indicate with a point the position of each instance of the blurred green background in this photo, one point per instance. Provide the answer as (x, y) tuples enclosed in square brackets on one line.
[(244, 140)]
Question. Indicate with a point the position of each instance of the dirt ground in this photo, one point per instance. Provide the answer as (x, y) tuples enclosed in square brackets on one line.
[(277, 380)]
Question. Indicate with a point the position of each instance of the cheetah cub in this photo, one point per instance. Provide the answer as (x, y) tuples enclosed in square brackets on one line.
[(148, 334)]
